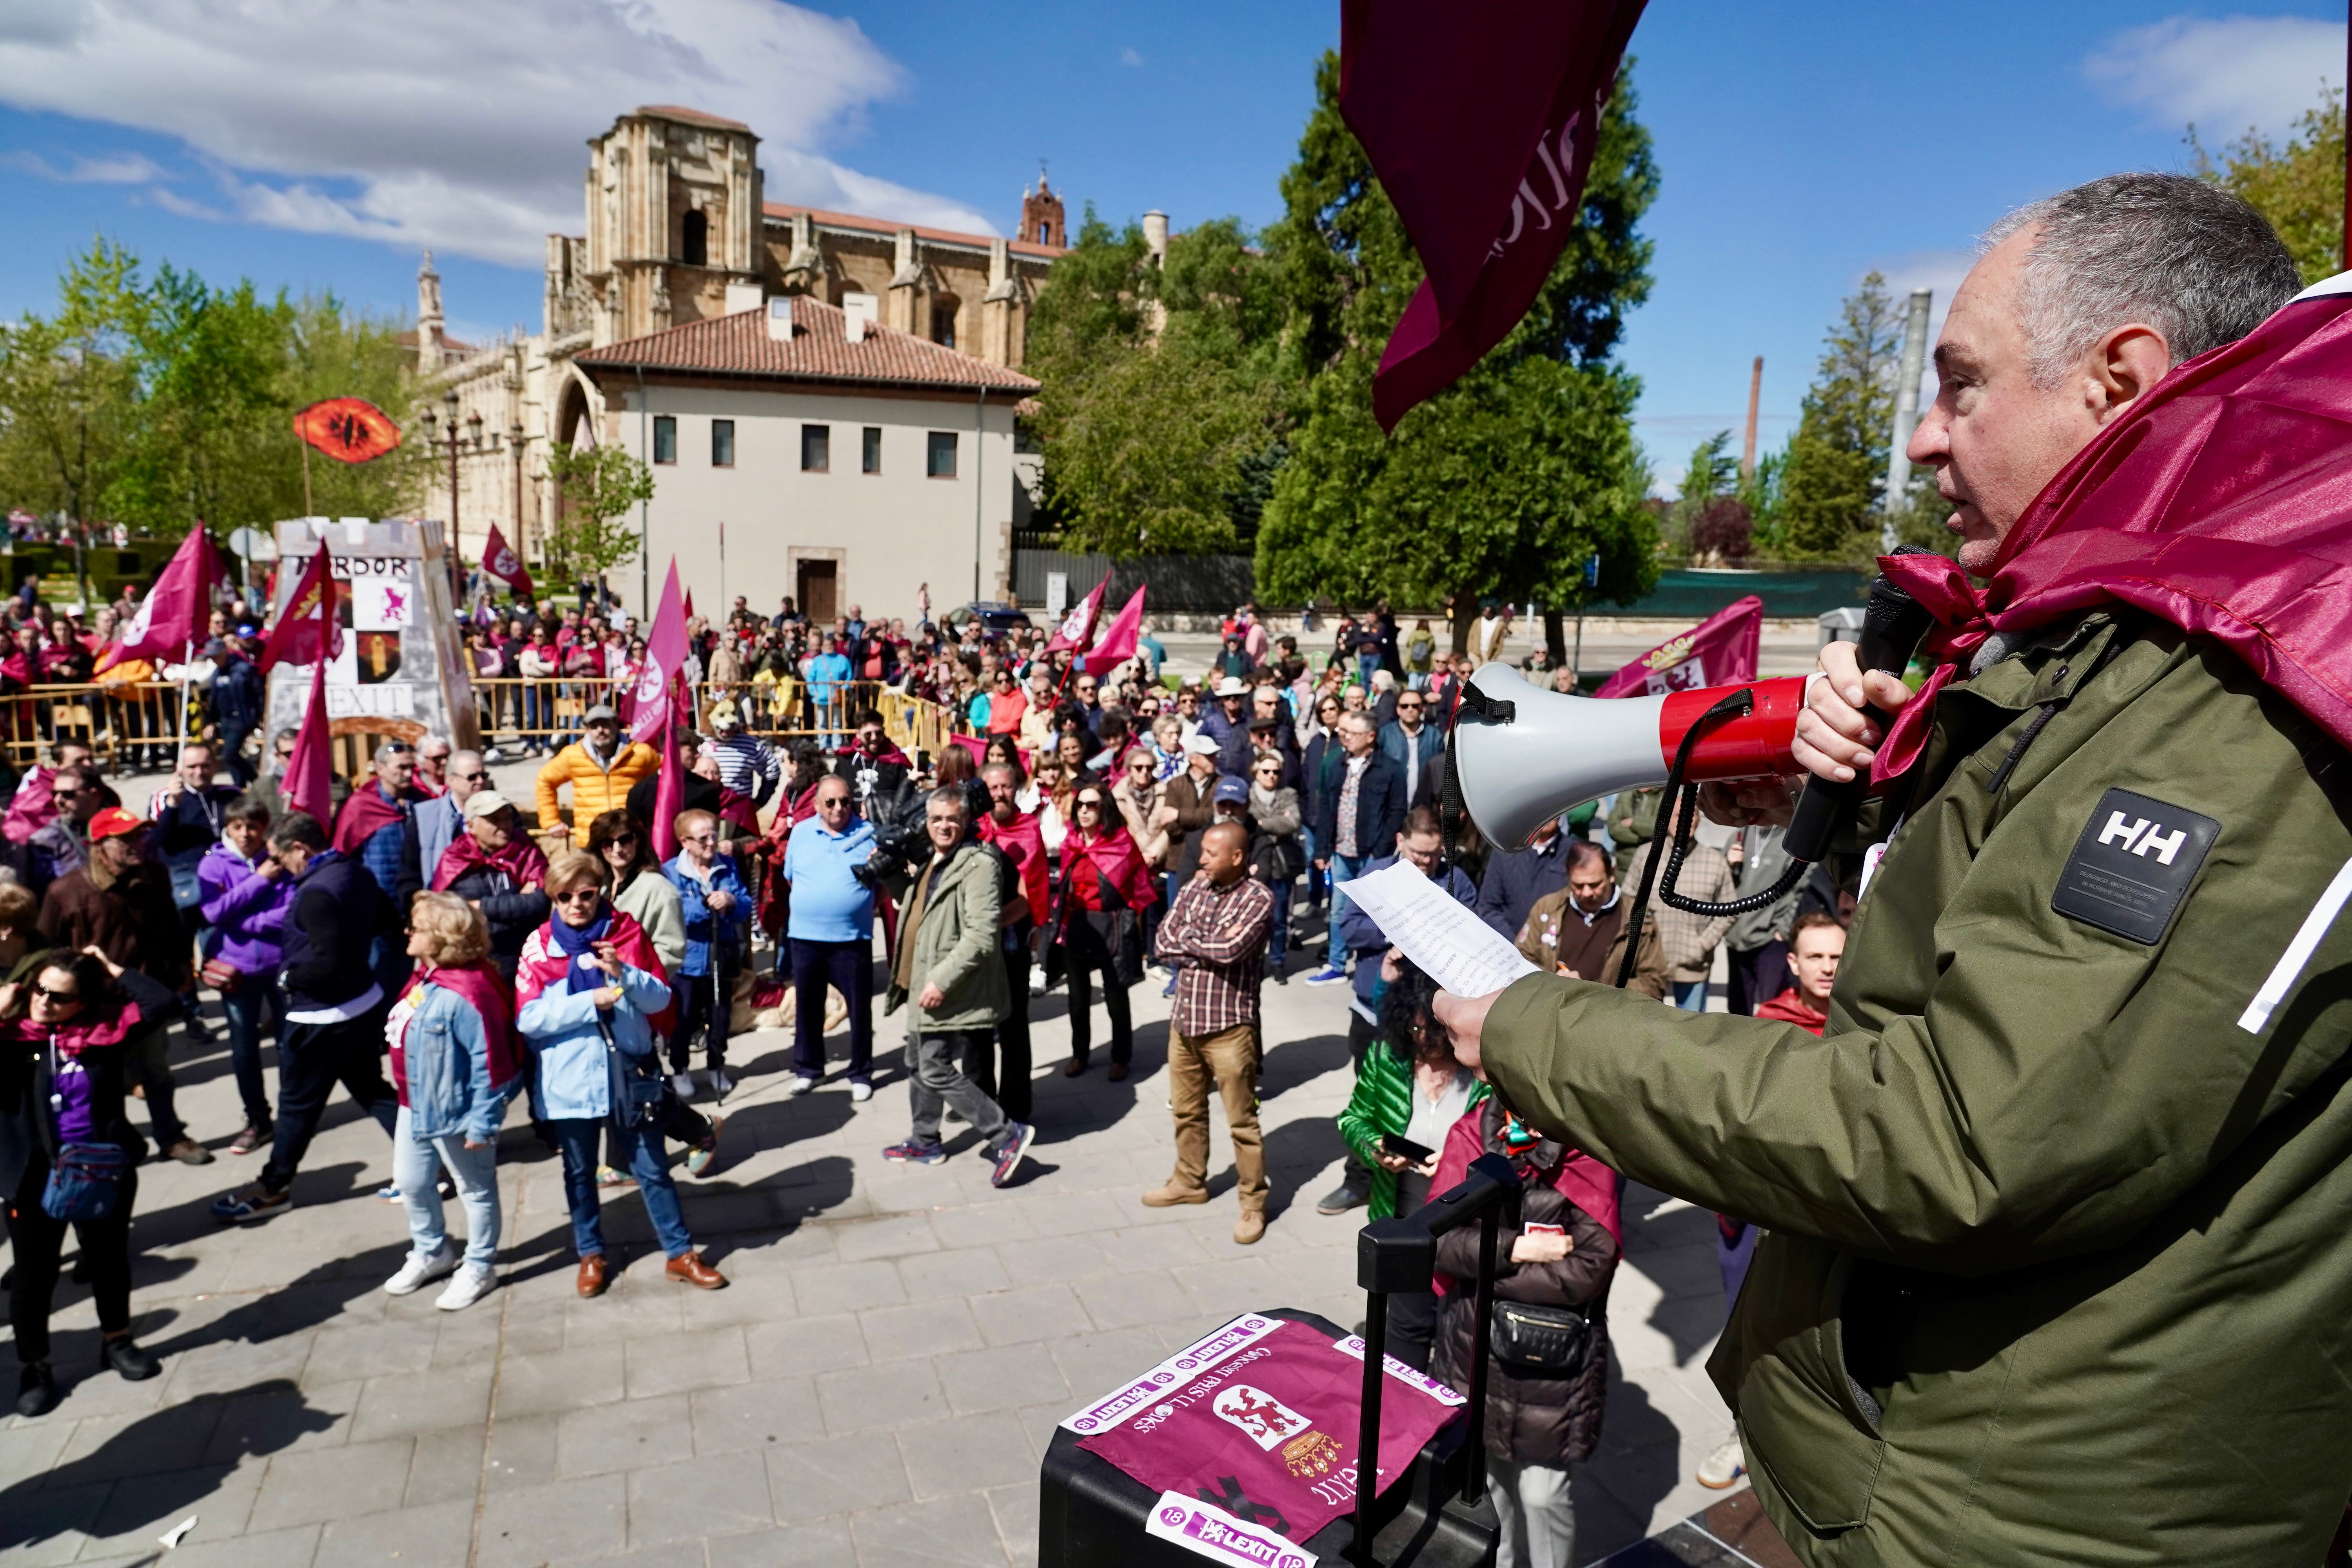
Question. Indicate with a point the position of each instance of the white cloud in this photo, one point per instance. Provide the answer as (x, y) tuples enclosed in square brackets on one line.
[(2225, 75), (1129, 56), (113, 169), (454, 123)]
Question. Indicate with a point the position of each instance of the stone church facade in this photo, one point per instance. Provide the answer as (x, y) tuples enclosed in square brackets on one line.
[(679, 232)]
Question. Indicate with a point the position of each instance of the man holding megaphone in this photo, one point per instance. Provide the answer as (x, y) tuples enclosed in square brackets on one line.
[(2057, 1265)]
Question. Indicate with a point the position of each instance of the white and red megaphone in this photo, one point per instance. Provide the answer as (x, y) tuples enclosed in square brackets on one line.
[(1555, 751)]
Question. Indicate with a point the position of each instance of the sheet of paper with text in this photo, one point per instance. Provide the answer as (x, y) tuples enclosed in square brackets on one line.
[(1462, 953)]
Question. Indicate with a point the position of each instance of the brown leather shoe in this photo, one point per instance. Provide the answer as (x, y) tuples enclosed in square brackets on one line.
[(1249, 1228), (688, 1268), (1074, 1066), (591, 1275), (1171, 1192), (1118, 1072)]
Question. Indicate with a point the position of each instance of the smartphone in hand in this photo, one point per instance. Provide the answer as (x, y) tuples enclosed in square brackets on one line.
[(1404, 1148)]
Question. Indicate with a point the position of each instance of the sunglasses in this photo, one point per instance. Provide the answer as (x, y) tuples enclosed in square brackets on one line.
[(1089, 803), (475, 777), (58, 998), (621, 841), (580, 896)]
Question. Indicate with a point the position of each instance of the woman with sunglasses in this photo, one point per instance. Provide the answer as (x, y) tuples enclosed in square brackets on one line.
[(64, 1067), (592, 1001), (635, 884), (1105, 887)]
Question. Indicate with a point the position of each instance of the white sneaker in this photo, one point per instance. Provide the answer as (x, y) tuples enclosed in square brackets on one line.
[(682, 1085), (416, 1272), (1037, 981), (721, 1084), (470, 1286), (1723, 1466), (861, 1093), (800, 1086)]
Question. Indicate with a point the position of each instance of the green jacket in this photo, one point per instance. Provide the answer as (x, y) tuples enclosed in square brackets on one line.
[(957, 943), (1382, 1103), (2060, 1261)]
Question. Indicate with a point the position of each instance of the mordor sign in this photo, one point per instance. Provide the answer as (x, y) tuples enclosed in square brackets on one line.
[(402, 673)]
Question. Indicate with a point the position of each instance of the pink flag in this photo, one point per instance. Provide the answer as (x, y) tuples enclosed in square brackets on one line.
[(308, 629), (669, 795), (310, 782), (1480, 117), (1718, 651), (665, 657), (499, 560), (177, 609), (1117, 643), (1078, 627)]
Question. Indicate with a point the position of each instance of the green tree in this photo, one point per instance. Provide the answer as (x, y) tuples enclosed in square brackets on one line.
[(1836, 464), (2297, 184), (1161, 412), (597, 488), (1501, 487)]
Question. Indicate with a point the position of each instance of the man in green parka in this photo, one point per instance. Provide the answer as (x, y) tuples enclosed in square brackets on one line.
[(2058, 1263)]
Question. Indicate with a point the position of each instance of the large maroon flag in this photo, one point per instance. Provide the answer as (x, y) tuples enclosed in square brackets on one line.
[(1479, 117), (309, 781), (1718, 651), (1120, 637), (2220, 502), (665, 657), (307, 630), (499, 560), (177, 610)]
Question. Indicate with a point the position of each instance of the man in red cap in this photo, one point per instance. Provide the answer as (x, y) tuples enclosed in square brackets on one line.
[(120, 903), (2055, 1266)]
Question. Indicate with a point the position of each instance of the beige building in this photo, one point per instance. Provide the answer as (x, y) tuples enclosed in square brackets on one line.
[(680, 241)]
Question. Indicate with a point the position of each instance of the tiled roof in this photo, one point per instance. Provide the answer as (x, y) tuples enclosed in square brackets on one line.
[(691, 116), (884, 227), (819, 349)]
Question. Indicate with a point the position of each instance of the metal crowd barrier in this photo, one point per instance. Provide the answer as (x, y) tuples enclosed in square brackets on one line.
[(130, 725), (519, 713)]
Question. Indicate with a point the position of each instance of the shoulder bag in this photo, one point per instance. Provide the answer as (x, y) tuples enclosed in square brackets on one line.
[(1539, 1341)]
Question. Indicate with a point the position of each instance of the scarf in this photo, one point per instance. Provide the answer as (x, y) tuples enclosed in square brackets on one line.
[(902, 969), (1116, 860), (577, 943), (547, 961), (485, 990), (521, 860), (365, 815), (2221, 502)]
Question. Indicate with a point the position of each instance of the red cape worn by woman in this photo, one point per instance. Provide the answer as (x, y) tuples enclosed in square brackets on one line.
[(544, 963), (2221, 502)]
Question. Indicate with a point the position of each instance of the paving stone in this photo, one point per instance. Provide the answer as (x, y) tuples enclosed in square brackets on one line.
[(438, 1535), (924, 1534), (823, 1544), (1001, 1378), (754, 1415), (521, 1452), (296, 1548), (961, 1271), (891, 1236), (860, 1399), (421, 1402), (1094, 1363), (1040, 1312), (1132, 1301), (840, 1474), (566, 1380), (920, 1329), (447, 1466), (374, 1350), (219, 1497), (724, 1494), (109, 1448), (29, 1448), (607, 1438), (810, 1345), (675, 1364), (1016, 1521), (848, 1287), (329, 1483), (532, 1525), (955, 1455)]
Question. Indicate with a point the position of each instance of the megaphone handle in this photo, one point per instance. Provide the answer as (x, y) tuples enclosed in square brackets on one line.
[(1891, 630)]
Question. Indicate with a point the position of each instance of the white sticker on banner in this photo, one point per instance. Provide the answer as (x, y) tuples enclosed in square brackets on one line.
[(1129, 1397), (1352, 1347), (383, 604), (1217, 1535)]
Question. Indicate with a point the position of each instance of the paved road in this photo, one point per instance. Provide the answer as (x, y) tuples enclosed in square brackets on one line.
[(877, 1388)]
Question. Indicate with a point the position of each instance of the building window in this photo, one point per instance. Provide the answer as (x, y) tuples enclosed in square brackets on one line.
[(695, 243), (873, 449), (722, 442), (664, 438), (943, 325), (816, 449), (943, 454)]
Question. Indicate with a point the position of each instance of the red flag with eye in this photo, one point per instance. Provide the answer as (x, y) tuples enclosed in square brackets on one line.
[(348, 430)]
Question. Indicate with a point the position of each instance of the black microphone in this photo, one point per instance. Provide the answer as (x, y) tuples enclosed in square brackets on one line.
[(1891, 628)]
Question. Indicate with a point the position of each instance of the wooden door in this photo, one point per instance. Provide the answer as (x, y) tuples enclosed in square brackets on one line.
[(816, 591)]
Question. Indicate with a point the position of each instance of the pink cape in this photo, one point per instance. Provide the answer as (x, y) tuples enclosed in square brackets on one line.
[(1580, 1179), (2221, 502)]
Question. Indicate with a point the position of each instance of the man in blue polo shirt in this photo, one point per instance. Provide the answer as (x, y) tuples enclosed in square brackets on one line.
[(831, 933)]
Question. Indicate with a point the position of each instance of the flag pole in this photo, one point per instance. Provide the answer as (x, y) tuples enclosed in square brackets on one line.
[(187, 656), (307, 510)]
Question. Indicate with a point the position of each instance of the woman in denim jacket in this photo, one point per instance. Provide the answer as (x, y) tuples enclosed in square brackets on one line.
[(455, 1063), (593, 1003)]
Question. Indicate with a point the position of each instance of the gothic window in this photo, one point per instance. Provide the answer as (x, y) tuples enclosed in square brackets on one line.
[(943, 454), (696, 247), (943, 325), (1044, 232), (664, 438)]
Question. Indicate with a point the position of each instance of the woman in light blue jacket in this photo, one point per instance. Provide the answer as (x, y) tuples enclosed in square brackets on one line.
[(455, 1063), (592, 994)]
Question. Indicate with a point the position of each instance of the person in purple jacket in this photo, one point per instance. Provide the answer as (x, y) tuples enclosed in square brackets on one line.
[(245, 897)]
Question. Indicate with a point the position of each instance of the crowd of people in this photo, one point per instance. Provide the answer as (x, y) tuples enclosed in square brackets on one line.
[(442, 951)]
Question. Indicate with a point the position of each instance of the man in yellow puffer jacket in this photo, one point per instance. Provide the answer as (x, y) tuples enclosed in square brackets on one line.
[(599, 769)]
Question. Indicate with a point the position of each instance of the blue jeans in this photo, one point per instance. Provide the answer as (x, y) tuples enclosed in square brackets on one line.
[(414, 1163), (1689, 995), (1345, 868), (1365, 664), (245, 1008), (579, 1137)]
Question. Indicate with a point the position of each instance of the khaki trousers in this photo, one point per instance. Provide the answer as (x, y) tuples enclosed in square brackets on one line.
[(1231, 1058)]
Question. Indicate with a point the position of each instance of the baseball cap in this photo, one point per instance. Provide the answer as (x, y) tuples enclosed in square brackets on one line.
[(1201, 744), (1231, 686), (1266, 722), (603, 710), (485, 802), (112, 823), (1229, 789)]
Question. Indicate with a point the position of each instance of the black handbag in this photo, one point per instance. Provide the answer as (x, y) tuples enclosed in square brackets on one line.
[(1541, 1341)]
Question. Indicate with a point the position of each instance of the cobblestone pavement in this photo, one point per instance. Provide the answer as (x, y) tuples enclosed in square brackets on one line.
[(876, 1387)]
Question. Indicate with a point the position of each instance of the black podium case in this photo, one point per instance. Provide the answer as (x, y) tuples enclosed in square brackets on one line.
[(1091, 1513)]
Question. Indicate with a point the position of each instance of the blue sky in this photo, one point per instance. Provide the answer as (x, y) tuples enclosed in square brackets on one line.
[(1800, 145)]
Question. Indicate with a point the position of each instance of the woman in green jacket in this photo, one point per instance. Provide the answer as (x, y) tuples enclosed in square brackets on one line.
[(1409, 1086)]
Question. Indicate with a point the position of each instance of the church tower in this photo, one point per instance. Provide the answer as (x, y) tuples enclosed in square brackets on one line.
[(674, 217), (1041, 215), (430, 334)]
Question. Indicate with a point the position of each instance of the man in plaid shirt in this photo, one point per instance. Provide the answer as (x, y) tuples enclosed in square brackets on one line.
[(1216, 938)]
